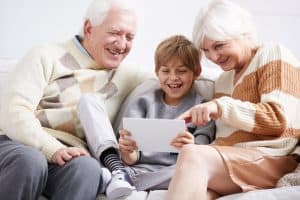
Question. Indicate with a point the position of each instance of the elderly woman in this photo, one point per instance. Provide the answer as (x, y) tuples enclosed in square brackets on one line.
[(255, 108)]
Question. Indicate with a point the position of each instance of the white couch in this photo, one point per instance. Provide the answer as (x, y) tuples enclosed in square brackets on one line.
[(205, 87)]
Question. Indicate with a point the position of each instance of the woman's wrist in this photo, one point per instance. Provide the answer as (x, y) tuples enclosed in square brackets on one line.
[(219, 110)]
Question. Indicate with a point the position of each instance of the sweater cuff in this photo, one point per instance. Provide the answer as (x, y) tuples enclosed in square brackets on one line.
[(50, 148), (223, 107)]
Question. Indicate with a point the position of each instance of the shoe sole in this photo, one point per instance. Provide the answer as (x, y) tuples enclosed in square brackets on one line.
[(119, 193)]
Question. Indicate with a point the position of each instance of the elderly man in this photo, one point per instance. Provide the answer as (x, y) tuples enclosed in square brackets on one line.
[(42, 142)]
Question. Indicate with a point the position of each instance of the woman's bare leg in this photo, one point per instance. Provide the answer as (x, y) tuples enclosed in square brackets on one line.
[(211, 195), (199, 167)]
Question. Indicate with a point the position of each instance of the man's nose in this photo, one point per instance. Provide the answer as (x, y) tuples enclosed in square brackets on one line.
[(121, 42)]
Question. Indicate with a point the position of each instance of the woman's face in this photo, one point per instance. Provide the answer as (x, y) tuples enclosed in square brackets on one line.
[(228, 54)]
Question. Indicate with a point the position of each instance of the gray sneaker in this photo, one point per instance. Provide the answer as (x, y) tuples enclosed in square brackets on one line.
[(119, 187), (106, 178)]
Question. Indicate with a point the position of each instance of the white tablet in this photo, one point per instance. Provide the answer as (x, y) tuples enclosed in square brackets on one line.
[(154, 135)]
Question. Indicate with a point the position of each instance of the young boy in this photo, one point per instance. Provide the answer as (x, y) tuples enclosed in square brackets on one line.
[(177, 65)]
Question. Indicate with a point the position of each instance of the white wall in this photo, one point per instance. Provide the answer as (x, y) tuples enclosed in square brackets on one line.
[(26, 23)]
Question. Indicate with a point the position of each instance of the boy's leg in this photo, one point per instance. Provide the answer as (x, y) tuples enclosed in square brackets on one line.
[(102, 143), (99, 133), (23, 172)]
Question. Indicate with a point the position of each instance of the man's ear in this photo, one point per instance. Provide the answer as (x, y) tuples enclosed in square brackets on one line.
[(87, 28)]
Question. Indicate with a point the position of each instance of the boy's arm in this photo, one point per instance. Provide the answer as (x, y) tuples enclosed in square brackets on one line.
[(205, 134), (128, 148), (136, 108)]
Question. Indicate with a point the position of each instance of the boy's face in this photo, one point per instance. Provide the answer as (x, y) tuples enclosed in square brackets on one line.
[(175, 79)]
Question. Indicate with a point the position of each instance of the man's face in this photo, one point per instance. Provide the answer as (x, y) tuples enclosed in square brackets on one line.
[(110, 42)]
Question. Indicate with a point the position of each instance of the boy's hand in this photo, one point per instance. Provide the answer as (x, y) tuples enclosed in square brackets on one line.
[(126, 144), (66, 154), (128, 148), (183, 139)]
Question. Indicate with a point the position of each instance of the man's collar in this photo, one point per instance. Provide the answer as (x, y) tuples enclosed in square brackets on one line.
[(77, 41)]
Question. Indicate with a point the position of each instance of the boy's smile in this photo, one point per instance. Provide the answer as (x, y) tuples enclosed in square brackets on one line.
[(175, 80)]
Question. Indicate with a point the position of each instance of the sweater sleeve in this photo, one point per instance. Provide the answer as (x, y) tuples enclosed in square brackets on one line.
[(276, 76), (136, 107), (20, 100), (205, 134), (263, 118)]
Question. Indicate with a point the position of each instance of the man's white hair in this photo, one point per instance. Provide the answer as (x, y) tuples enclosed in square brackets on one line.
[(98, 10), (223, 20)]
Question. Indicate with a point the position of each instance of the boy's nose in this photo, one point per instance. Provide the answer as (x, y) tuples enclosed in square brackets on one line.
[(173, 76)]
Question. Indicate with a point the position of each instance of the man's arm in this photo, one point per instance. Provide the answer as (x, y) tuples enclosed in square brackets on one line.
[(19, 102)]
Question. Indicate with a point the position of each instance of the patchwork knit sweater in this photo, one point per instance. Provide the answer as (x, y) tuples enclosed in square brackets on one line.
[(262, 109), (38, 107)]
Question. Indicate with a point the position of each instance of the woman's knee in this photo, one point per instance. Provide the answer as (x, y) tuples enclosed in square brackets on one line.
[(194, 153), (190, 151)]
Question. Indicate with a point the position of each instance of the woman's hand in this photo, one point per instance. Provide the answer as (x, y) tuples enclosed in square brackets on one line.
[(202, 113), (128, 148), (183, 139), (66, 154)]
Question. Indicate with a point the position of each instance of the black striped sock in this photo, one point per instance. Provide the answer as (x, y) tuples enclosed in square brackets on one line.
[(111, 160)]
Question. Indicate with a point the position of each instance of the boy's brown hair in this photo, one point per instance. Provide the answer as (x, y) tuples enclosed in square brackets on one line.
[(178, 46)]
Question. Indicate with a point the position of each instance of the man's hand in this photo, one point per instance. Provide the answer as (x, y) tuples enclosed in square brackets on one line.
[(183, 139), (66, 154), (127, 147), (202, 113)]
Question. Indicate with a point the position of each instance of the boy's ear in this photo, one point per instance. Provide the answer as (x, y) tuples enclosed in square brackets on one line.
[(198, 71)]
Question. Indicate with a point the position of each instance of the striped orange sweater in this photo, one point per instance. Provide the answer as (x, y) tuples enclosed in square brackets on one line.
[(262, 109)]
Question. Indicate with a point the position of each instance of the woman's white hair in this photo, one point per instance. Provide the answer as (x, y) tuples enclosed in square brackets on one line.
[(98, 10), (223, 20)]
